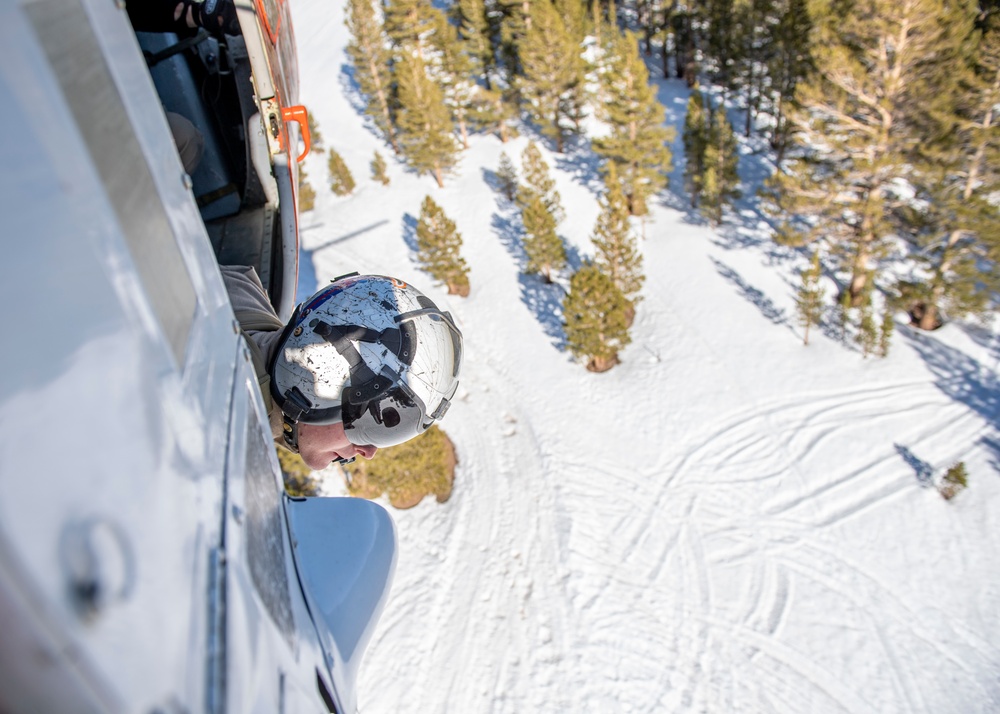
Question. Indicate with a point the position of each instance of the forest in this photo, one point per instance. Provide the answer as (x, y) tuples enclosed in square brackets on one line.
[(880, 119)]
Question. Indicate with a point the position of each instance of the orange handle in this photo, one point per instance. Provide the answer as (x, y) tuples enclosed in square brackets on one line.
[(299, 114)]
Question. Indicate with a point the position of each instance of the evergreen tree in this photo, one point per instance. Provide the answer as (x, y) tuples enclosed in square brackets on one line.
[(867, 335), (552, 71), (307, 194), (453, 71), (409, 23), (756, 20), (886, 329), (537, 182), (809, 300), (721, 42), (378, 168), (854, 126), (507, 177), (474, 31), (844, 306), (341, 180), (368, 53), (438, 246), (513, 18), (788, 64), (543, 246), (617, 254), (596, 322), (314, 133), (955, 480), (494, 110), (637, 141), (574, 17), (425, 128), (695, 140), (720, 180), (959, 236)]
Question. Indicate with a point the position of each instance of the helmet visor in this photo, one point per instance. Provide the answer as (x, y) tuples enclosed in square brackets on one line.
[(395, 417)]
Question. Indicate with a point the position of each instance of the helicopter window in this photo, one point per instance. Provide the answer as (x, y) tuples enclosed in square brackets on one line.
[(265, 546), (102, 118)]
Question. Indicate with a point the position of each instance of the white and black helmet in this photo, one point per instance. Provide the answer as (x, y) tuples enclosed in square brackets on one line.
[(371, 351)]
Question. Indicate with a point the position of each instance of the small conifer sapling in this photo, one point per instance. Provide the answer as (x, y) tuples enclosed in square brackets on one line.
[(955, 480), (809, 300), (378, 170), (507, 177), (341, 180), (438, 246)]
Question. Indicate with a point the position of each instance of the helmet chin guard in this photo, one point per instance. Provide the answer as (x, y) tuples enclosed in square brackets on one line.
[(371, 352)]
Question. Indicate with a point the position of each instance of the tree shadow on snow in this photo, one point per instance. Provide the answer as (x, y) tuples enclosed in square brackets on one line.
[(545, 302), (352, 90), (579, 161), (959, 376), (507, 227), (410, 232), (763, 303), (923, 470)]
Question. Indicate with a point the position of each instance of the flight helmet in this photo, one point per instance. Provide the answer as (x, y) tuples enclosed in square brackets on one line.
[(370, 351)]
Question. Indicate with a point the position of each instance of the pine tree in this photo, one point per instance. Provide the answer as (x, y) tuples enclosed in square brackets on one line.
[(494, 110), (695, 140), (507, 177), (537, 182), (617, 254), (408, 23), (721, 179), (307, 194), (513, 18), (474, 31), (438, 246), (721, 42), (886, 329), (452, 67), (789, 63), (553, 70), (637, 142), (573, 14), (425, 128), (315, 136), (368, 53), (855, 126), (867, 335), (844, 307), (595, 314), (542, 244), (341, 180), (955, 480), (378, 168), (959, 237), (809, 300)]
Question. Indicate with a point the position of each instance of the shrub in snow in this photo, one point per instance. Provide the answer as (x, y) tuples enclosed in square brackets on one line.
[(955, 480)]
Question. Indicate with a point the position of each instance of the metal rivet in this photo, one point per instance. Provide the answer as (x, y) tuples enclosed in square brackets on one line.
[(298, 331), (288, 428)]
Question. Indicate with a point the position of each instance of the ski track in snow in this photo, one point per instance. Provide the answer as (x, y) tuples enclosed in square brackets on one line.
[(726, 522)]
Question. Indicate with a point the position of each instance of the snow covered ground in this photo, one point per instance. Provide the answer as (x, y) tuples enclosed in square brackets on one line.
[(726, 522)]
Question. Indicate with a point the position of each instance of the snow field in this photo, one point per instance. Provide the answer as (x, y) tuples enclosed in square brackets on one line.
[(726, 522)]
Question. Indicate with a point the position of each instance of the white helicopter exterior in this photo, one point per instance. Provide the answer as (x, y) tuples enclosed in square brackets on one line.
[(150, 560)]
